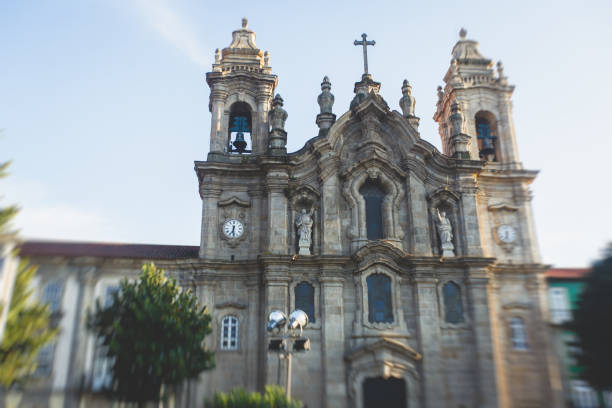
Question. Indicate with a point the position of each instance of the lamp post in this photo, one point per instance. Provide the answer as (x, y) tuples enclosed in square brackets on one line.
[(285, 334)]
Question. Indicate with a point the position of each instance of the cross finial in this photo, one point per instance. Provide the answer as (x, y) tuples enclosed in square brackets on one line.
[(364, 42)]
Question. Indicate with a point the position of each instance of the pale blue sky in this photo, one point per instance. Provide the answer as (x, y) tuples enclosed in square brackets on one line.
[(104, 104)]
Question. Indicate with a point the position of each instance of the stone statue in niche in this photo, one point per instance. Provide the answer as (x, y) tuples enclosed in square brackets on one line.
[(303, 223), (445, 231)]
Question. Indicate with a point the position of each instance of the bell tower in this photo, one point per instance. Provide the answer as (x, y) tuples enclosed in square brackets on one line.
[(475, 103), (241, 89)]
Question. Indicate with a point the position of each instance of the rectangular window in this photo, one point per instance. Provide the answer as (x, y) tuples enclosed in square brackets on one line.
[(583, 396), (519, 335), (559, 306), (52, 295), (229, 333), (45, 360), (102, 375)]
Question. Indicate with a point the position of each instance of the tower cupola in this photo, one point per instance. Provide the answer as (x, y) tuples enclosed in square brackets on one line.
[(241, 89)]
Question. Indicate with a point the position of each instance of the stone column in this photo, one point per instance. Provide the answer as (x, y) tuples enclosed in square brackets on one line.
[(210, 221), (276, 281), (332, 341), (428, 319), (507, 138), (477, 286), (471, 227), (261, 128), (218, 140), (202, 388), (277, 181), (257, 227), (331, 236), (419, 217), (254, 325)]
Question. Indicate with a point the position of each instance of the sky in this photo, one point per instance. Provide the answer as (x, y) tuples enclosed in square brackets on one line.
[(104, 104)]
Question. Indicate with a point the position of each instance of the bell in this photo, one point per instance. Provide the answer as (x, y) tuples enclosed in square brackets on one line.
[(239, 143)]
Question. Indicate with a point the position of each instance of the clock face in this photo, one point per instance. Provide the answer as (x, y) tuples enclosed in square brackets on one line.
[(233, 228), (506, 233)]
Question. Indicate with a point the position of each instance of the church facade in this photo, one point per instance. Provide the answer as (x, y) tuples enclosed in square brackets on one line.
[(418, 269)]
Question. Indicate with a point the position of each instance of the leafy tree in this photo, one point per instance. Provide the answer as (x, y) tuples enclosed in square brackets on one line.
[(27, 324), (6, 213), (273, 397), (153, 333), (27, 330), (593, 325)]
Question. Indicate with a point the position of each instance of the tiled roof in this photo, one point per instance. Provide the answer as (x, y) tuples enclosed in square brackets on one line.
[(107, 250), (567, 273)]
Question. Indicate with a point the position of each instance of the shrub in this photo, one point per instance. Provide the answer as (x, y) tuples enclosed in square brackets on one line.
[(273, 397)]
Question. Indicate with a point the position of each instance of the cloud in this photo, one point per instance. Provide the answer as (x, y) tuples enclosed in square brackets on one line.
[(173, 28)]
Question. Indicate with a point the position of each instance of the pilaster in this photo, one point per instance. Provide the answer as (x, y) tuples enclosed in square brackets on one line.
[(210, 220), (277, 182), (477, 286), (428, 317), (332, 343), (420, 238), (330, 207)]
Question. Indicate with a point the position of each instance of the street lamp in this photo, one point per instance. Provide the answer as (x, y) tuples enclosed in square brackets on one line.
[(277, 321)]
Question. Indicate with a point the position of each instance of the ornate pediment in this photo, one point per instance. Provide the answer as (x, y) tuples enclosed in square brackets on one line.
[(378, 252), (381, 348)]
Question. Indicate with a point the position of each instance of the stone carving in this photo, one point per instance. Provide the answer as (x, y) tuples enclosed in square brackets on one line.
[(326, 118), (326, 98), (445, 231), (459, 140), (407, 101), (278, 135), (217, 56), (303, 222), (456, 119), (266, 59)]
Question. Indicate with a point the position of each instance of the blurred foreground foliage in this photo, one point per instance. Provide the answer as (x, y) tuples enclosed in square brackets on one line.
[(153, 333), (273, 397), (592, 324)]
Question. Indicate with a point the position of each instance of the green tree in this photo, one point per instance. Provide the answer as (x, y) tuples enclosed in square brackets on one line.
[(153, 333), (27, 325), (593, 325), (27, 330), (273, 397), (6, 213)]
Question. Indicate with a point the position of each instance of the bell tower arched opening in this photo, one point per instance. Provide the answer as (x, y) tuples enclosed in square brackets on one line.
[(239, 129), (487, 136)]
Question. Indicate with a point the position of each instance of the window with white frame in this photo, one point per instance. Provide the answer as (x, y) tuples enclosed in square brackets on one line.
[(102, 376), (607, 398), (559, 305), (583, 396), (44, 363), (229, 333), (52, 295), (519, 334)]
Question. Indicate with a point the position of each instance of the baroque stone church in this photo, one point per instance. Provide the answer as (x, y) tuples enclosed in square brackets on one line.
[(418, 269)]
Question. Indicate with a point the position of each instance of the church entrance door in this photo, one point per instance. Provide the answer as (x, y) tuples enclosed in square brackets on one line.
[(388, 393)]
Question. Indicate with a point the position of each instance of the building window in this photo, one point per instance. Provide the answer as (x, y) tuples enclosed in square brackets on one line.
[(304, 299), (52, 295), (559, 305), (102, 375), (453, 306), (239, 129), (379, 299), (45, 360), (519, 335), (583, 396), (607, 398), (373, 195), (229, 333)]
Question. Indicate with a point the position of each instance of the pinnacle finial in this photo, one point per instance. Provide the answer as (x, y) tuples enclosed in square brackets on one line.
[(245, 22), (462, 33)]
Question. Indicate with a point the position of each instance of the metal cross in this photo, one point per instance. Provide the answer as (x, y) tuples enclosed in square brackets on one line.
[(365, 43)]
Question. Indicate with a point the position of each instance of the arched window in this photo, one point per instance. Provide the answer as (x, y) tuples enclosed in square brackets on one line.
[(453, 307), (229, 333), (379, 299), (239, 129), (519, 334), (373, 194), (304, 299), (487, 136)]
